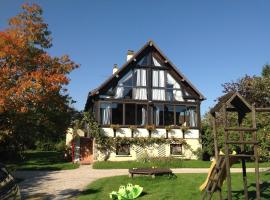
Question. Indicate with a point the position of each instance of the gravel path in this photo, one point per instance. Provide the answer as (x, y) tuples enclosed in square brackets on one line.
[(66, 184)]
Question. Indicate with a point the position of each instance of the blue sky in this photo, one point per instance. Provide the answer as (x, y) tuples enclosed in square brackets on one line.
[(211, 42)]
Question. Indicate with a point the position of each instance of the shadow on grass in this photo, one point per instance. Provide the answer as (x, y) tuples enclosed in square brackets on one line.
[(264, 188), (143, 194), (90, 191)]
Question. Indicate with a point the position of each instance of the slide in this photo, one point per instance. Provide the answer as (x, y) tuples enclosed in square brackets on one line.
[(211, 170)]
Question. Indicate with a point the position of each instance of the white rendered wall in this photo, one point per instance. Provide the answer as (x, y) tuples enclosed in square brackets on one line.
[(191, 137)]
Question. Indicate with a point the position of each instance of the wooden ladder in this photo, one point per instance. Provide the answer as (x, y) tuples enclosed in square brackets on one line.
[(214, 183)]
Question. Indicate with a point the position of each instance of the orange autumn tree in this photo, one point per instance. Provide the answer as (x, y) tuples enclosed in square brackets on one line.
[(32, 82)]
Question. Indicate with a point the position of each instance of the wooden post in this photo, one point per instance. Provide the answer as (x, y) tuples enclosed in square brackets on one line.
[(213, 119), (244, 173), (227, 159), (258, 196)]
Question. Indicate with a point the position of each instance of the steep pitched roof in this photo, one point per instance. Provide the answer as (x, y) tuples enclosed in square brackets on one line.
[(133, 59)]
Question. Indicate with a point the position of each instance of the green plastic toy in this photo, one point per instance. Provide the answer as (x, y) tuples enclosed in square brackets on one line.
[(127, 193)]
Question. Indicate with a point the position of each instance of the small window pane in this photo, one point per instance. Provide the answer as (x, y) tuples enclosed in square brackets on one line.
[(117, 113), (141, 114), (158, 112), (123, 149), (169, 115), (123, 92), (180, 115), (126, 80), (130, 114), (176, 149), (192, 117), (105, 113)]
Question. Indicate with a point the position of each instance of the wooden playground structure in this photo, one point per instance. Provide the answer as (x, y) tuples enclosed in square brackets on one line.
[(220, 168)]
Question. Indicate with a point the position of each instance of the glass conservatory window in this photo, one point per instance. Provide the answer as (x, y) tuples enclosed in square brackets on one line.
[(192, 117), (158, 82), (180, 115), (158, 112), (130, 117), (140, 91), (169, 115), (156, 62), (124, 87), (141, 114), (105, 113), (174, 91), (144, 61), (117, 113)]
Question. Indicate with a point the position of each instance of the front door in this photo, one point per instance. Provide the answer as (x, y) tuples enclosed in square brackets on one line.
[(86, 149)]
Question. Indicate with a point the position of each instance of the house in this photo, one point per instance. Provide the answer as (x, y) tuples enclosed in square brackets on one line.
[(147, 91)]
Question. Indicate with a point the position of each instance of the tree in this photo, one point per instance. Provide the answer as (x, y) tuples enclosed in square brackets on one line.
[(34, 103), (255, 89)]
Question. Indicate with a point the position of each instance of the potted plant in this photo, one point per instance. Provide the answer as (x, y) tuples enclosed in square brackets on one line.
[(150, 128), (168, 129), (115, 127), (184, 128), (133, 128)]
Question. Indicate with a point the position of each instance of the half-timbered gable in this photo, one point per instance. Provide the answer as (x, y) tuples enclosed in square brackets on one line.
[(147, 90)]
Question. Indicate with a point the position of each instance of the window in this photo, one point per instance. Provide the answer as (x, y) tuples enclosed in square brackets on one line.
[(158, 113), (123, 149), (192, 116), (176, 149), (124, 86), (117, 113), (140, 88), (130, 117), (158, 84), (180, 114), (105, 113), (169, 114), (141, 114), (174, 90)]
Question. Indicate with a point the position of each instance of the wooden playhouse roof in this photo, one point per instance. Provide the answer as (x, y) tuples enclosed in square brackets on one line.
[(234, 102)]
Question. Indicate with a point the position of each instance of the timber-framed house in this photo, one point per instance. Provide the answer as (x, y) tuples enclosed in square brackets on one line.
[(148, 92)]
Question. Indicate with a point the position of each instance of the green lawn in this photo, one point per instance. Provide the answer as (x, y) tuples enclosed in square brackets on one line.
[(166, 163), (185, 186), (41, 160)]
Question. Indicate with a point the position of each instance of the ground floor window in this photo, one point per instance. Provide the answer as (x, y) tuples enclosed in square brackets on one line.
[(176, 149), (123, 149), (144, 114)]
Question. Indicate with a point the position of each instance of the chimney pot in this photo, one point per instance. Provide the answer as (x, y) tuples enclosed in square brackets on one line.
[(130, 53), (115, 68)]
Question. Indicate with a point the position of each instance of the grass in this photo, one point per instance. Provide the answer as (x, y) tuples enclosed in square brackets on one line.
[(163, 163), (41, 160), (185, 186)]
